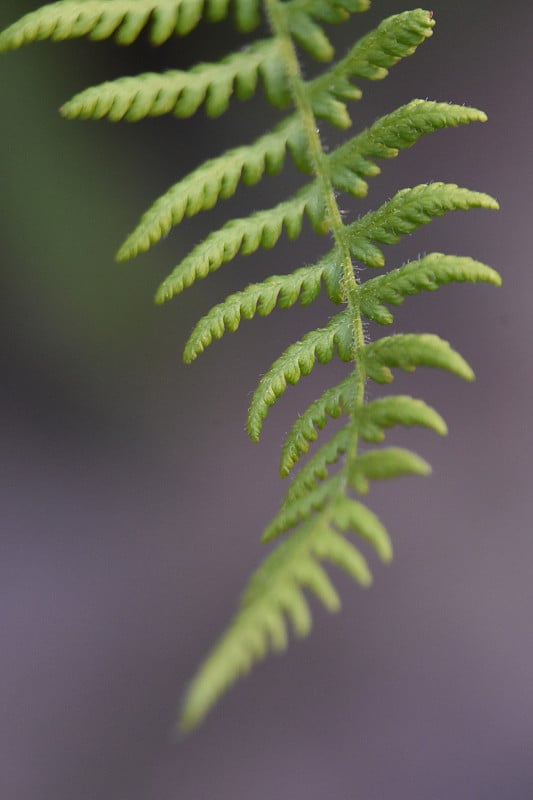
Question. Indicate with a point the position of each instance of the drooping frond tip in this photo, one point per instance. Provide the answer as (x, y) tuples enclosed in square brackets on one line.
[(274, 595)]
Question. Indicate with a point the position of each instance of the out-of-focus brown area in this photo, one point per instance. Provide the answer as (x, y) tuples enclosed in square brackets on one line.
[(132, 501)]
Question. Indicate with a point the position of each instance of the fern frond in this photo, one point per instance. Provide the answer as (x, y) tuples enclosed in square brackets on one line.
[(410, 350), (350, 515), (346, 514), (125, 19), (352, 161), (303, 16), (348, 164), (371, 58), (334, 402), (404, 213), (372, 419), (219, 177), (290, 514), (330, 11), (395, 38), (274, 593), (244, 236), (407, 211), (281, 291), (297, 360), (216, 179), (386, 412), (318, 504), (390, 462), (316, 469), (426, 274), (183, 92)]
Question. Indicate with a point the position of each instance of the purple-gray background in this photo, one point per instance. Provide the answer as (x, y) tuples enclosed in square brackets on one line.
[(132, 501)]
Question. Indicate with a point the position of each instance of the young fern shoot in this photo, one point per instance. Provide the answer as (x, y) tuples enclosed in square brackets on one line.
[(323, 506)]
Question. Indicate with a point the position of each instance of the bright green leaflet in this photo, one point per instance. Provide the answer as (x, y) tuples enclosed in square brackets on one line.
[(321, 508)]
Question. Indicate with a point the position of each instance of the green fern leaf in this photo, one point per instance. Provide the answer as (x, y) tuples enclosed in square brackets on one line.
[(407, 211), (215, 179), (244, 236), (395, 38), (258, 298), (330, 11), (334, 402), (183, 92), (297, 360), (409, 350), (309, 34), (371, 57), (391, 462), (318, 504), (404, 213), (303, 15), (281, 291), (426, 274), (350, 163), (125, 19), (346, 515), (374, 417), (350, 515), (290, 514), (275, 591), (338, 551), (316, 469)]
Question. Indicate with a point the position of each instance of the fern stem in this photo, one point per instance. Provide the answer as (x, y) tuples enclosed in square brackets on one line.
[(318, 161)]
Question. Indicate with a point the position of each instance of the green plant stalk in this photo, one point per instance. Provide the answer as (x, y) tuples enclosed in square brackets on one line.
[(278, 23)]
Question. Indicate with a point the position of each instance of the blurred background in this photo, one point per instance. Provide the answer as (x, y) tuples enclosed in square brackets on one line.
[(132, 501)]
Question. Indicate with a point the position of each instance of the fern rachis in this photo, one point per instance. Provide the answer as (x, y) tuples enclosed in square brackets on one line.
[(322, 506)]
